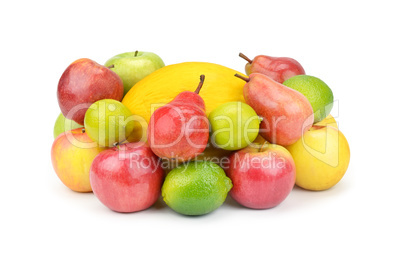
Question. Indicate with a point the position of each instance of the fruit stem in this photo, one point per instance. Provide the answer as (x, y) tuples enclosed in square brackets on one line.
[(243, 77), (135, 53), (111, 66), (202, 78), (262, 146), (241, 55), (316, 127), (83, 130), (117, 145)]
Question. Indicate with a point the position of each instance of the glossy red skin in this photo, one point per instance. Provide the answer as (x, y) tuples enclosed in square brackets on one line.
[(286, 113), (256, 186), (128, 178), (83, 83), (277, 68), (169, 126)]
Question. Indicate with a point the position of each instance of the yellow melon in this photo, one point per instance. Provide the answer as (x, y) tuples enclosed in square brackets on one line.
[(160, 87)]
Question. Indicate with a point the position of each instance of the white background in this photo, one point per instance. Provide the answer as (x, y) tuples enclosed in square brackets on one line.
[(354, 46)]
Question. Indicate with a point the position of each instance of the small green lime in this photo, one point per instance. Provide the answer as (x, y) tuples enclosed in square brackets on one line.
[(63, 124), (316, 91), (108, 121), (196, 188), (234, 125)]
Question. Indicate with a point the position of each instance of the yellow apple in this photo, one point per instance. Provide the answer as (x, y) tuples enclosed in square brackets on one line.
[(321, 156), (72, 155), (328, 121)]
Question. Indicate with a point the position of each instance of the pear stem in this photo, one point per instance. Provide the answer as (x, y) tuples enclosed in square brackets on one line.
[(135, 53), (262, 146), (202, 78), (243, 77), (111, 66), (241, 55)]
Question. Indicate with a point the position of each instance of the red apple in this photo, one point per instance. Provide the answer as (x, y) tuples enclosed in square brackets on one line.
[(262, 176), (83, 83), (127, 178), (72, 154)]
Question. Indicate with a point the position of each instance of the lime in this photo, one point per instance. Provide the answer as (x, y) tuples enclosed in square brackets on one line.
[(234, 125), (316, 91), (108, 122), (63, 124), (196, 188)]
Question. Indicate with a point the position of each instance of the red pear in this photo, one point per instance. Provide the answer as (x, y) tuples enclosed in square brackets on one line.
[(180, 129), (278, 68), (286, 113)]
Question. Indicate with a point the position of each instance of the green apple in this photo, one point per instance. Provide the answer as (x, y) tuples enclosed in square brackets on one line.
[(131, 67), (108, 121), (63, 124), (234, 125)]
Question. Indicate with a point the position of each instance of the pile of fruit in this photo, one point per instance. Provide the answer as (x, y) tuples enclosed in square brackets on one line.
[(133, 129)]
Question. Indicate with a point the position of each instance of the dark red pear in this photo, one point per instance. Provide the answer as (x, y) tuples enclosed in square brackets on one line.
[(277, 68)]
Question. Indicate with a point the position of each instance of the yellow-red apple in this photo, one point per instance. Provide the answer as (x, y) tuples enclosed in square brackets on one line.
[(72, 155)]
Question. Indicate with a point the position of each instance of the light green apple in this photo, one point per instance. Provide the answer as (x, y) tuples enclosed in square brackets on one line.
[(108, 121), (234, 125), (131, 67), (63, 124)]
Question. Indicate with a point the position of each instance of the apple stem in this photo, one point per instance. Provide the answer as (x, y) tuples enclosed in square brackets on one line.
[(316, 127), (243, 77), (135, 53), (262, 146), (83, 130), (116, 144), (241, 55), (202, 78), (111, 66)]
